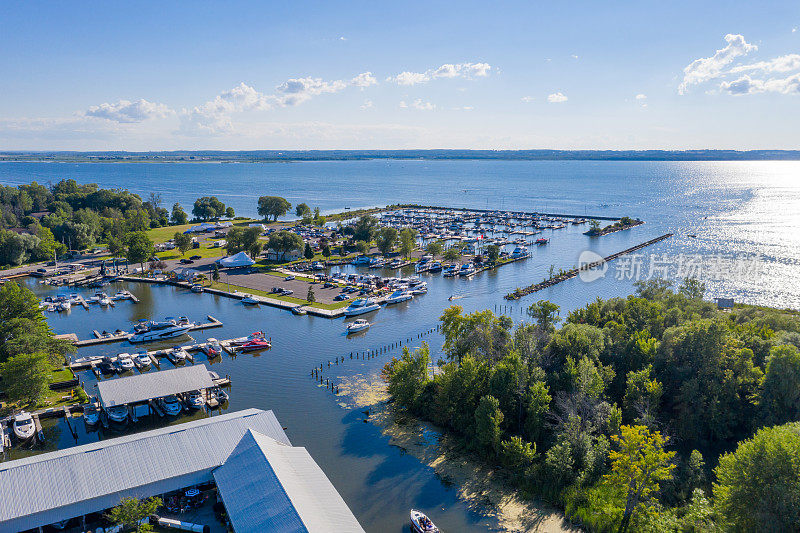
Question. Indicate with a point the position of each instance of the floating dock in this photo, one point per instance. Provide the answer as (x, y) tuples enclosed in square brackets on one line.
[(119, 337)]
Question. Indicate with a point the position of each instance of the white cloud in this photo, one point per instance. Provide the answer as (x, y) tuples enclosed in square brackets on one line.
[(126, 112), (342, 38), (547, 59), (784, 63), (557, 98), (365, 79), (448, 70), (794, 29), (367, 104), (527, 99), (423, 106), (641, 96), (707, 68), (748, 85), (574, 56), (403, 104)]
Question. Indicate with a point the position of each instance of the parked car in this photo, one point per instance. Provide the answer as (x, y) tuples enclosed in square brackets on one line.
[(328, 285), (287, 292), (195, 257), (186, 261), (288, 278), (340, 297)]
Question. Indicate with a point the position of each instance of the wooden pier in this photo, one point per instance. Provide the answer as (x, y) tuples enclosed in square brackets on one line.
[(119, 337)]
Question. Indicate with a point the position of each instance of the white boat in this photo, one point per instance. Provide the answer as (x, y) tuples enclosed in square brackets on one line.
[(421, 523), (24, 428), (400, 295), (117, 413), (249, 300), (178, 354), (450, 272), (195, 399), (91, 415), (358, 325), (125, 362), (143, 359), (212, 348), (156, 331), (361, 260), (361, 306), (220, 395), (299, 310), (197, 288), (64, 306), (422, 288), (171, 405), (466, 270), (519, 251)]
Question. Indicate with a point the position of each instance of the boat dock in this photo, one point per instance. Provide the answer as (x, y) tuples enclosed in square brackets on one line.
[(125, 335)]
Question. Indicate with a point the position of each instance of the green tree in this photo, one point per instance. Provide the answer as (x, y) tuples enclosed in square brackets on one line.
[(308, 253), (517, 455), (362, 247), (536, 409), (386, 239), (488, 420), (285, 241), (208, 208), (407, 376), (326, 251), (302, 210), (780, 394), (434, 248), (545, 313), (452, 254), (408, 241), (243, 240), (493, 253), (215, 272), (131, 511), (115, 245), (692, 288), (183, 242), (26, 378), (229, 212), (365, 228), (273, 206), (140, 248), (310, 297), (758, 485), (638, 467), (179, 216)]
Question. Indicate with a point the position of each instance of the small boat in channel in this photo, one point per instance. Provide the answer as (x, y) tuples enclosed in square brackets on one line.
[(400, 295), (421, 523), (361, 306), (23, 426), (358, 325)]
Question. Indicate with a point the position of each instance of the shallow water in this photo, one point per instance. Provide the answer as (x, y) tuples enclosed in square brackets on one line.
[(747, 208)]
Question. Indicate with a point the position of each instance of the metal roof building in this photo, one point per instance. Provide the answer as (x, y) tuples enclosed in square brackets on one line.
[(269, 486), (151, 385), (47, 488)]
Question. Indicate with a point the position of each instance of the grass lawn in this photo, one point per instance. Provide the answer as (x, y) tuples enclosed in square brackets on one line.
[(60, 374), (203, 251), (158, 235), (290, 299)]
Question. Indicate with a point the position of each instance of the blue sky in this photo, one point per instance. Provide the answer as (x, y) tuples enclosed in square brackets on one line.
[(322, 75)]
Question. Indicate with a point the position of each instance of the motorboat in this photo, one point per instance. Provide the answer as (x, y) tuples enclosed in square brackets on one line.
[(361, 260), (64, 306), (358, 325), (151, 331), (421, 523), (197, 288), (171, 405), (24, 428), (106, 367), (220, 395), (143, 359), (245, 340), (400, 295), (194, 399), (450, 272), (91, 415), (249, 300), (421, 288), (124, 362), (436, 266), (117, 413), (466, 270), (255, 345), (299, 310), (542, 241), (361, 306), (178, 354), (519, 251), (105, 301), (212, 348)]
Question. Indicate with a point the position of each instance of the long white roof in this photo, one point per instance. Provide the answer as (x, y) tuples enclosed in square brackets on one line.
[(47, 488), (269, 486), (152, 385)]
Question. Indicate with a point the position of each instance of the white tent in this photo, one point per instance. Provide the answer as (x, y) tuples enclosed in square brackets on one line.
[(237, 260)]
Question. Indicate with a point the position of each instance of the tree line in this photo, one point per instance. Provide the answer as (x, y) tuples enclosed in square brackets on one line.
[(654, 412)]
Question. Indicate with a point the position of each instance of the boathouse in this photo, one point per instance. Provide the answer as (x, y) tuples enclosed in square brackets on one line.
[(151, 385), (264, 483)]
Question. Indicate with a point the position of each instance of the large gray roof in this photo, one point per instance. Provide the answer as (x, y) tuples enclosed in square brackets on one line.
[(269, 486), (47, 488), (152, 385)]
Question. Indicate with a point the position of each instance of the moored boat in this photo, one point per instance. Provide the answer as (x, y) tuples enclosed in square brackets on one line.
[(23, 425), (150, 331), (117, 413), (400, 295), (358, 325), (361, 306)]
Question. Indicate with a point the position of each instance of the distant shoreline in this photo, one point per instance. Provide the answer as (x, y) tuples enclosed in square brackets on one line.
[(272, 156)]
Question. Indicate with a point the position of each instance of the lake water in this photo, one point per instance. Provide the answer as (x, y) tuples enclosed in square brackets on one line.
[(746, 209)]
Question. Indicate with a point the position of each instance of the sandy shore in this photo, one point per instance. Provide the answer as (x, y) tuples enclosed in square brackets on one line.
[(483, 489)]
